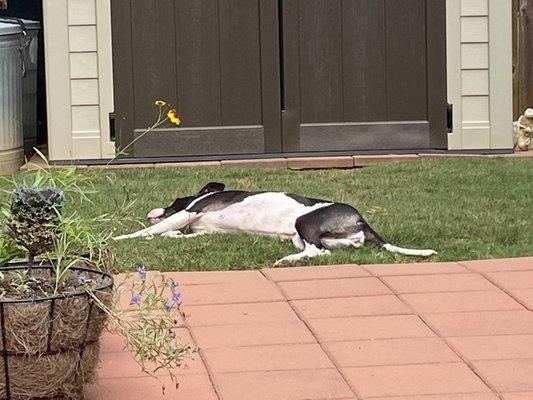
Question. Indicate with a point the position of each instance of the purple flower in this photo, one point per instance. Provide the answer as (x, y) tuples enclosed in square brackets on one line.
[(176, 296), (169, 304), (82, 280), (135, 299), (142, 272)]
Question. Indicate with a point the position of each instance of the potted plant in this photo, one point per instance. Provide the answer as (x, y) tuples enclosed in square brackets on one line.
[(55, 302), (50, 324)]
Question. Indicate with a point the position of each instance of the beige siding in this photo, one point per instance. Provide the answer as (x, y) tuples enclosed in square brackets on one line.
[(479, 73), (79, 76)]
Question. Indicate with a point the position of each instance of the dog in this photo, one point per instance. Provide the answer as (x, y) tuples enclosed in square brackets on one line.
[(315, 226)]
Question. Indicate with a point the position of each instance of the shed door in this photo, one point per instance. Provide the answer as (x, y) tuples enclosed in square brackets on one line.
[(270, 76), (216, 61), (364, 74)]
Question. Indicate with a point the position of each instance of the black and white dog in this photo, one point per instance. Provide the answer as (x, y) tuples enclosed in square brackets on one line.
[(315, 226)]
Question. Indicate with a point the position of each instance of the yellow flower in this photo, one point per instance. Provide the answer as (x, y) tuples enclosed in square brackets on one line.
[(160, 103), (174, 117)]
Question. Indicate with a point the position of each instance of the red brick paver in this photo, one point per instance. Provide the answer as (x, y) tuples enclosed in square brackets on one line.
[(464, 396), (415, 379), (350, 307), (508, 375), (518, 396), (331, 288), (428, 331)]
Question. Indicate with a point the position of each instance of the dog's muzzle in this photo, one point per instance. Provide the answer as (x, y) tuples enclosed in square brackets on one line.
[(155, 215)]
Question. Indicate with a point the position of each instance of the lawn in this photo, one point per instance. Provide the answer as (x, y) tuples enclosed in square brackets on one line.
[(462, 208)]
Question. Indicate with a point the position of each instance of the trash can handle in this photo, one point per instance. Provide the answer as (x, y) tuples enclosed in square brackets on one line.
[(23, 62)]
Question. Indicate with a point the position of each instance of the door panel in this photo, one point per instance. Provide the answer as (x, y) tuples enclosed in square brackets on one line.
[(320, 61), (364, 135), (154, 68), (436, 73), (211, 60), (266, 76), (364, 83), (357, 75), (197, 58), (406, 60), (240, 62)]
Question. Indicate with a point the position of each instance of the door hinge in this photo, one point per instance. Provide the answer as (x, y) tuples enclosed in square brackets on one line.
[(449, 117)]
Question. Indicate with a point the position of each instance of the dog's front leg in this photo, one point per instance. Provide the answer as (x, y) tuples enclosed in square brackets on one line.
[(172, 223), (179, 235)]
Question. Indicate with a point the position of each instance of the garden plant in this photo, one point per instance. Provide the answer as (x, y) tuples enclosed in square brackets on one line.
[(57, 291)]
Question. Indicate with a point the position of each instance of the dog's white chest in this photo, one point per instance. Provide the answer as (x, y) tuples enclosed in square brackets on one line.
[(264, 213)]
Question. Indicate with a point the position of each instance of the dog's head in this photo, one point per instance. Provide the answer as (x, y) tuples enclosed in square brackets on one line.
[(181, 203)]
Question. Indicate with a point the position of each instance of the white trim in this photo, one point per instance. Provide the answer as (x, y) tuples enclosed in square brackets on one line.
[(453, 47), (500, 74), (57, 61), (470, 48), (105, 74)]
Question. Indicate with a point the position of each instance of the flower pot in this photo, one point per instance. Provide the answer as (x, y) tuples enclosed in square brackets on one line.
[(50, 346)]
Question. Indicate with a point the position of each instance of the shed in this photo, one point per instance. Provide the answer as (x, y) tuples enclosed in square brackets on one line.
[(287, 76)]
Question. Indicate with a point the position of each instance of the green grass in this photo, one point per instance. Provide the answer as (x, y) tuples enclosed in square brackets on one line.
[(463, 208)]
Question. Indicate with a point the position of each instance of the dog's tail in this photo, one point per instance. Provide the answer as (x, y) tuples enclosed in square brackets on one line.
[(373, 237)]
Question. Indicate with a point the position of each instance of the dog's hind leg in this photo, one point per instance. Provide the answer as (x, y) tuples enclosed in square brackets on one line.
[(327, 228), (298, 242), (309, 232), (172, 223)]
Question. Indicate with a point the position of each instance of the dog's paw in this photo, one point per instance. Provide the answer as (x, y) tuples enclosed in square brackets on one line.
[(172, 234), (285, 262), (428, 253), (121, 237)]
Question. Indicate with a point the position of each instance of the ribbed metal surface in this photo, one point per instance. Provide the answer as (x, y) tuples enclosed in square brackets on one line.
[(10, 93)]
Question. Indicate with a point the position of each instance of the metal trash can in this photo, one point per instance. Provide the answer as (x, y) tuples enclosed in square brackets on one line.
[(11, 139), (30, 45)]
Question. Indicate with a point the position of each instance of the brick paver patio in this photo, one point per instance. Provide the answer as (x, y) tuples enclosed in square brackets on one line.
[(436, 331)]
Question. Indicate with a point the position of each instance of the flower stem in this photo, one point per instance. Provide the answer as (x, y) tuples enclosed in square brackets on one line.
[(158, 123)]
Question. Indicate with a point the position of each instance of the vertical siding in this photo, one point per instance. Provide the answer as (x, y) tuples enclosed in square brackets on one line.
[(85, 103), (55, 17), (478, 42), (80, 94), (501, 85), (475, 67)]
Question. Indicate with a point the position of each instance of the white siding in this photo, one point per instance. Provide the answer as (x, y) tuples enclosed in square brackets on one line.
[(479, 73), (79, 76)]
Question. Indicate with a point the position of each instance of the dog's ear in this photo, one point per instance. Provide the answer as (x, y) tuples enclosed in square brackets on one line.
[(211, 187)]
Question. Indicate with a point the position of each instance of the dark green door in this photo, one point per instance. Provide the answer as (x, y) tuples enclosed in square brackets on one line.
[(272, 76), (216, 61), (364, 74)]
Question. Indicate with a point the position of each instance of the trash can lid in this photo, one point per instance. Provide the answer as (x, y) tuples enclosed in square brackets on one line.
[(9, 29), (30, 24)]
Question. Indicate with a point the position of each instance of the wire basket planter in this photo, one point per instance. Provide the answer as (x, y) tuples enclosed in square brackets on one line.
[(50, 345)]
